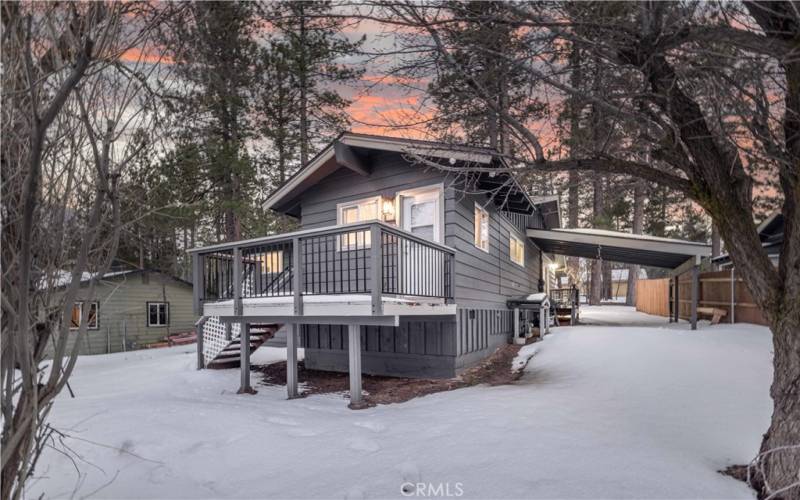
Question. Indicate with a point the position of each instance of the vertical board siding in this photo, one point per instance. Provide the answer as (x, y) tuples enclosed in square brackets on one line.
[(482, 331), (427, 337)]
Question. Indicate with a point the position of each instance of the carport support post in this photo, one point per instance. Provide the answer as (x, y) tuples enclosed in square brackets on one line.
[(291, 361), (244, 359), (676, 310), (695, 293), (354, 344)]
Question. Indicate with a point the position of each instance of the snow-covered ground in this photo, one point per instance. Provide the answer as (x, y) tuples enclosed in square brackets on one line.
[(623, 315), (602, 411)]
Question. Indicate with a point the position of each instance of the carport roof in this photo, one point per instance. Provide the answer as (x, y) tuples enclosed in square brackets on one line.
[(619, 247)]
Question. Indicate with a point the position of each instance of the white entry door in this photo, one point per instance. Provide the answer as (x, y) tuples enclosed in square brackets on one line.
[(421, 267)]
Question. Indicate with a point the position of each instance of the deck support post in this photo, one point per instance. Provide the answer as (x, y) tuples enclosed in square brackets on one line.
[(516, 337), (238, 276), (291, 361), (695, 294), (376, 268), (354, 357), (676, 309), (244, 359), (198, 278), (198, 328), (297, 276)]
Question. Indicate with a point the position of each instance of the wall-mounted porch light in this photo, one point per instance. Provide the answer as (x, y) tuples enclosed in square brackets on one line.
[(387, 209)]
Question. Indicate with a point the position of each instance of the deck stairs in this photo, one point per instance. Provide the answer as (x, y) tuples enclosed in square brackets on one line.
[(230, 356), (221, 343)]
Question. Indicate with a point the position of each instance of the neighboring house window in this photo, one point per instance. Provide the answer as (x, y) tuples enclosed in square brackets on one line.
[(77, 312), (516, 250), (481, 228), (352, 212), (272, 262), (157, 313)]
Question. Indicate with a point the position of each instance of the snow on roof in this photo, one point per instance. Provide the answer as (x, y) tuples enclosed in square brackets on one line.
[(618, 234), (64, 278)]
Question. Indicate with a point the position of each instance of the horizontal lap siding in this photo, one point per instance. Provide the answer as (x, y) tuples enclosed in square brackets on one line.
[(123, 313), (485, 280)]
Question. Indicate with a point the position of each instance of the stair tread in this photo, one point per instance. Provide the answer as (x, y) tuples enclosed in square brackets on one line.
[(229, 356)]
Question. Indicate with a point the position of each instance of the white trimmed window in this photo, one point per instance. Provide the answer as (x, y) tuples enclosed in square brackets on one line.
[(157, 313), (516, 250), (481, 228), (77, 313), (357, 211)]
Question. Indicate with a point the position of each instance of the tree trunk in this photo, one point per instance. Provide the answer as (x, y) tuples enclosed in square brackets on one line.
[(779, 457), (637, 227), (303, 84), (573, 211), (597, 267), (573, 191), (608, 282)]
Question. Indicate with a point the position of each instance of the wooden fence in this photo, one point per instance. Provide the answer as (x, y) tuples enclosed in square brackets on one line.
[(655, 296), (652, 296)]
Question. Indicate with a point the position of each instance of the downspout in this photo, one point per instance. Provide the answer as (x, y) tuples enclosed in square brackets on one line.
[(541, 271)]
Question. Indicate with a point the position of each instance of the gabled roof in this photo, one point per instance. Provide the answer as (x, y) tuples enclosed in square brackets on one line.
[(346, 151)]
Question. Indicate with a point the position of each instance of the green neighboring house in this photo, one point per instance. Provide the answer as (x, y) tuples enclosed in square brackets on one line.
[(131, 309)]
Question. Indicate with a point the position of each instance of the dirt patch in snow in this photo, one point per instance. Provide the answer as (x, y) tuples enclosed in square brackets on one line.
[(494, 370)]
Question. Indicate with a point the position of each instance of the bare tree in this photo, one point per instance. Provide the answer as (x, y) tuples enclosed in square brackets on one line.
[(714, 92), (72, 98)]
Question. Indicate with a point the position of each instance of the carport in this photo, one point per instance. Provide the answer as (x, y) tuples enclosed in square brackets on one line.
[(678, 256)]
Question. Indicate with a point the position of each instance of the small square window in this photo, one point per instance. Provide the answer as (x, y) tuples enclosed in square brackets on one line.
[(350, 213), (157, 313), (516, 250), (481, 228), (77, 312)]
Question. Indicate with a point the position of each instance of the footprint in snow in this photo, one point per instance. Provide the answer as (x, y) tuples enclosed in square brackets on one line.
[(160, 474), (302, 432), (355, 493), (410, 472), (373, 426), (362, 444), (193, 448), (282, 421)]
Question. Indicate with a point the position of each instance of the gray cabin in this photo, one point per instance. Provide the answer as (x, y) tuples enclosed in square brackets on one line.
[(129, 310), (408, 255), (421, 260)]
